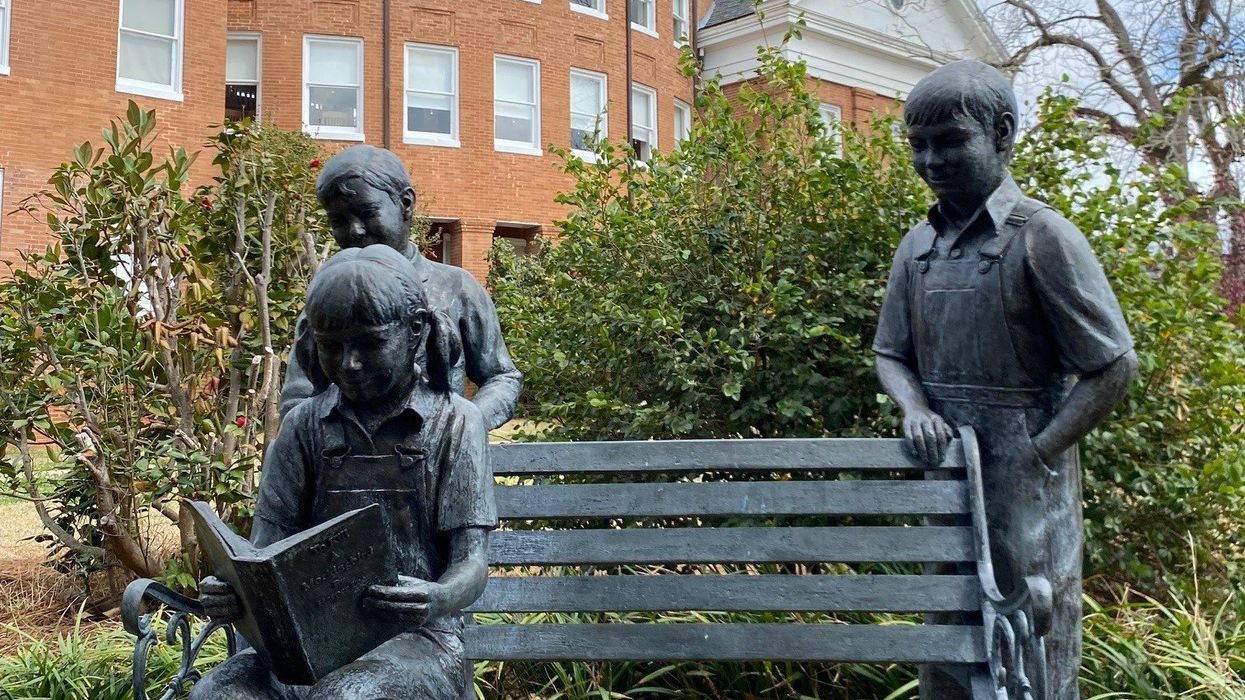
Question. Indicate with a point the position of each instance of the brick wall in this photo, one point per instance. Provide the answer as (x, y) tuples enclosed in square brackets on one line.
[(60, 91), (472, 183)]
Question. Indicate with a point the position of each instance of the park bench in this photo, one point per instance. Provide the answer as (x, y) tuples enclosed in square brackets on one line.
[(849, 483)]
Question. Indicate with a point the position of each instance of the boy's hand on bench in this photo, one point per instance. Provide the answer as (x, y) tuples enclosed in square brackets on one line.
[(928, 435), (414, 600), (219, 601)]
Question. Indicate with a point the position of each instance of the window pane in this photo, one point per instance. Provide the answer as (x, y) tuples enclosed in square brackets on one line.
[(431, 71), (242, 61), (514, 123), (241, 101), (594, 4), (146, 59), (514, 82), (585, 95), (428, 113), (428, 121), (641, 108), (155, 16), (333, 63), (333, 106)]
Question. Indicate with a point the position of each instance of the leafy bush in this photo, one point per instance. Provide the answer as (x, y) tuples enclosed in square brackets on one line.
[(144, 342), (727, 289)]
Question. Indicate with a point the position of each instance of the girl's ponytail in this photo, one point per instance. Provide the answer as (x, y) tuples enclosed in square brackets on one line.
[(445, 346)]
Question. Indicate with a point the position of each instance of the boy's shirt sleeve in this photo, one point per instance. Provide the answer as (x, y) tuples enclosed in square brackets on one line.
[(280, 507), (894, 335), (1087, 325), (466, 493), (487, 361)]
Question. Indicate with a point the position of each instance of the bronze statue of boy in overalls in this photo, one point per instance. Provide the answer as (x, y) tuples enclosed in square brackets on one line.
[(367, 195), (994, 304), (388, 430)]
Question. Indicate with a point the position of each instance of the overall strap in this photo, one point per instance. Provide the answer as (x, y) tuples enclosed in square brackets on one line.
[(994, 249), (923, 237), (334, 447)]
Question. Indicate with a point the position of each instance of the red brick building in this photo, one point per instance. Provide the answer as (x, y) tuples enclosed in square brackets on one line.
[(468, 94)]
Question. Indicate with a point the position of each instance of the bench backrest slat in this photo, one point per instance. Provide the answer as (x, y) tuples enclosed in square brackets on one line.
[(828, 454), (655, 500), (731, 593), (728, 642), (740, 545)]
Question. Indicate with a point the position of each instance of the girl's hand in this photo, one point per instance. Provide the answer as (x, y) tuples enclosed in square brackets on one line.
[(220, 603), (413, 600)]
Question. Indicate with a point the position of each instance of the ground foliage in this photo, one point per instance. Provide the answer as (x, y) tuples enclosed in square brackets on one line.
[(731, 289)]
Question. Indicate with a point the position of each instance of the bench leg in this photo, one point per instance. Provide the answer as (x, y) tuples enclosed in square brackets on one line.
[(982, 686)]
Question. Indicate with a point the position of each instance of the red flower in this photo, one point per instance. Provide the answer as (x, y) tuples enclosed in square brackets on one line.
[(207, 203), (315, 164), (240, 421)]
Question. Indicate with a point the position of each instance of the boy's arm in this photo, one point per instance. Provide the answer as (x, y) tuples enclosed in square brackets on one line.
[(1087, 327), (926, 432), (486, 357)]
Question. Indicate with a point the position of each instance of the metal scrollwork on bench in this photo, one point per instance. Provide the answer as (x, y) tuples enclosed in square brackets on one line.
[(1015, 627), (178, 631)]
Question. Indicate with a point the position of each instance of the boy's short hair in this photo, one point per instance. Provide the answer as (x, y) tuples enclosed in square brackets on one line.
[(966, 87), (378, 167), (375, 285)]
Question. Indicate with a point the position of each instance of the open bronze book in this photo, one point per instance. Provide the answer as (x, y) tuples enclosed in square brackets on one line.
[(302, 597)]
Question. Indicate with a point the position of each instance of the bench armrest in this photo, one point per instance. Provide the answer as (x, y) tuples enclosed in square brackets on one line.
[(177, 632), (1015, 626)]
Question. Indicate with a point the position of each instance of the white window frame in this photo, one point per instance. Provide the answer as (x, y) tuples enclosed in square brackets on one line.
[(682, 108), (426, 138), (603, 124), (598, 9), (6, 22), (681, 12), (834, 130), (531, 148), (649, 25), (259, 67), (652, 146), (142, 87), (331, 133)]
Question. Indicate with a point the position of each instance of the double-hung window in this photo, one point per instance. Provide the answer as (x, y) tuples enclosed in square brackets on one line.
[(643, 122), (832, 118), (6, 16), (682, 121), (644, 15), (242, 76), (680, 21), (333, 88), (587, 112), (149, 48), (516, 105), (596, 8), (431, 95)]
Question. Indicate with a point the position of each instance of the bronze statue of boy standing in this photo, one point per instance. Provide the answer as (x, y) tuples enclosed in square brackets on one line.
[(993, 305)]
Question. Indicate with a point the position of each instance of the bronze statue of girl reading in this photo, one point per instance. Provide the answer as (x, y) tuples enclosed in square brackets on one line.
[(389, 430)]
